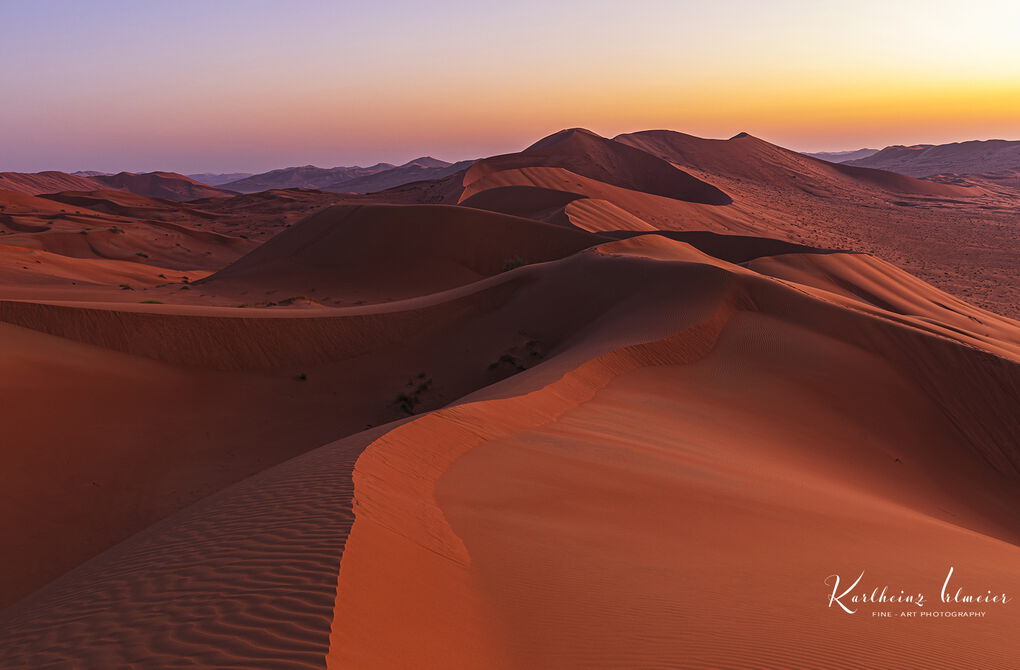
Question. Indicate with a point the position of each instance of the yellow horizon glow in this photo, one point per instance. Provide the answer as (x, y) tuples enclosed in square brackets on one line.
[(313, 82)]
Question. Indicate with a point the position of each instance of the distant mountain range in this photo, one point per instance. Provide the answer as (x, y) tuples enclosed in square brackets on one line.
[(843, 156), (923, 160), (347, 179), (305, 176), (219, 178), (977, 157), (178, 187), (207, 178)]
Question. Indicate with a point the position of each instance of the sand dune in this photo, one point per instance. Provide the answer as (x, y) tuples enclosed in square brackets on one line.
[(388, 252), (661, 212), (169, 185), (544, 504), (948, 234), (748, 157), (589, 155), (598, 404), (556, 520), (775, 193), (164, 244), (120, 203), (45, 182), (533, 202), (116, 226)]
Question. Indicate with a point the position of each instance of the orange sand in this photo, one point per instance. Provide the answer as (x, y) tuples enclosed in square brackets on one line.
[(598, 404)]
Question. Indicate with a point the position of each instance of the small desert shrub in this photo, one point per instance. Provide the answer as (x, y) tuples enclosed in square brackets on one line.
[(408, 400), (151, 302), (295, 298), (512, 263)]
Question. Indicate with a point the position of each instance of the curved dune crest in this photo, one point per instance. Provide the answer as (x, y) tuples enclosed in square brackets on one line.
[(521, 495), (553, 518), (587, 154), (883, 285), (533, 202), (659, 211), (596, 216)]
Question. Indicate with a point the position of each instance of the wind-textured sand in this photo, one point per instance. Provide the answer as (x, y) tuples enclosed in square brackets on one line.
[(627, 405)]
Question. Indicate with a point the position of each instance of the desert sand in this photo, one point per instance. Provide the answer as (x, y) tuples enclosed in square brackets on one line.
[(603, 403)]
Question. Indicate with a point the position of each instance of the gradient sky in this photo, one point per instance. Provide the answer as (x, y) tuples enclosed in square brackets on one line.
[(250, 85)]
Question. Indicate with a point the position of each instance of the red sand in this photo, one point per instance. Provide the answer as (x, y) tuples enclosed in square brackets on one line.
[(407, 451)]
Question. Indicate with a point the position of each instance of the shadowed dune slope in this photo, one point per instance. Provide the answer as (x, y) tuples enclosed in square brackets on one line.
[(114, 202), (883, 285), (541, 204), (17, 202), (244, 579), (654, 211), (730, 248), (385, 252)]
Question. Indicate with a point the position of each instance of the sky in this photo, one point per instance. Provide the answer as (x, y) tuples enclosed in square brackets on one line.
[(251, 85)]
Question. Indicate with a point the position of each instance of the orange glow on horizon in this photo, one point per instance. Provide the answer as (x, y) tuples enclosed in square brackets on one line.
[(273, 87)]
